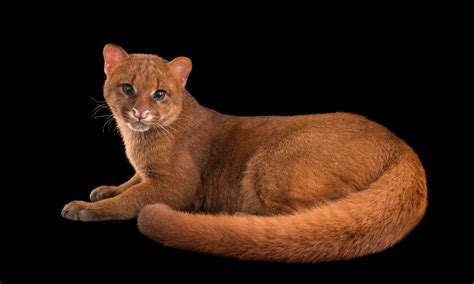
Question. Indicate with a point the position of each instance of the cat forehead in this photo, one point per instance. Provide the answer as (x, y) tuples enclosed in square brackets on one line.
[(146, 60), (141, 66), (142, 70)]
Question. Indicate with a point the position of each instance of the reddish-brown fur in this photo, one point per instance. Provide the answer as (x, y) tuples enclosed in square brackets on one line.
[(294, 189)]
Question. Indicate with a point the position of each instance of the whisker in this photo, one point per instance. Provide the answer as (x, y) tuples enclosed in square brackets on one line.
[(105, 115), (98, 108), (161, 128), (109, 120), (166, 132), (97, 101), (172, 128), (182, 115), (110, 123)]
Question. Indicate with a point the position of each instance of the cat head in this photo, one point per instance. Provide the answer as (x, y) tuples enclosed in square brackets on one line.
[(144, 91)]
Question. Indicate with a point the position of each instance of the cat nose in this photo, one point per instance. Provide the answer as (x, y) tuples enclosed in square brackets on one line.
[(140, 114)]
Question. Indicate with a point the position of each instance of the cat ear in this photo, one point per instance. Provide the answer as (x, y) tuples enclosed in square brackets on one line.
[(112, 54), (181, 67)]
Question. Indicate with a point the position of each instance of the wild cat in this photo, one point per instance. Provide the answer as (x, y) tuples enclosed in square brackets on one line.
[(306, 188)]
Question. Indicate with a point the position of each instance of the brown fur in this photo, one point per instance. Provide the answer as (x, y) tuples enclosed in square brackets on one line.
[(295, 189)]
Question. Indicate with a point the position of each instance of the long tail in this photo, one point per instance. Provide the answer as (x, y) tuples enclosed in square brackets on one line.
[(365, 222)]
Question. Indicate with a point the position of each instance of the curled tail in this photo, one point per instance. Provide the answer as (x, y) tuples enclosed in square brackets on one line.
[(365, 222)]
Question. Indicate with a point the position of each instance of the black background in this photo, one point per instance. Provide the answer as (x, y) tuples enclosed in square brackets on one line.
[(386, 69)]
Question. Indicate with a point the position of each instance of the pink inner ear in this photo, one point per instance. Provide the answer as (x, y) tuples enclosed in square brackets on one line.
[(111, 57), (181, 67)]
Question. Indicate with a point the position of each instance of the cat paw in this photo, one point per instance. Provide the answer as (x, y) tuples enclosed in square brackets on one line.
[(103, 192), (78, 211)]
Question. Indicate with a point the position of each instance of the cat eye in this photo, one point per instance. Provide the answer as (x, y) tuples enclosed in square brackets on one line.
[(127, 89), (159, 95)]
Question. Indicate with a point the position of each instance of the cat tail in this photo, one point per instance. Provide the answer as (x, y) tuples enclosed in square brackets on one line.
[(362, 223)]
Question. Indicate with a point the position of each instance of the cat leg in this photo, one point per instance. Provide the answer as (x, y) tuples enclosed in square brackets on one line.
[(126, 205), (106, 191), (121, 207)]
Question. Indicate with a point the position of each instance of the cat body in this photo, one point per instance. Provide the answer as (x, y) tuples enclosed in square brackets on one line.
[(295, 189)]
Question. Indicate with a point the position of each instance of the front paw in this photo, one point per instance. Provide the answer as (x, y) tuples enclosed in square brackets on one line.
[(103, 192), (78, 211)]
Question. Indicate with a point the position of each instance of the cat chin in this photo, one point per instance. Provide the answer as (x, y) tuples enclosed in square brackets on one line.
[(139, 127)]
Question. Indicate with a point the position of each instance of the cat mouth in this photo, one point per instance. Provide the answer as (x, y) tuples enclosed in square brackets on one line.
[(138, 126)]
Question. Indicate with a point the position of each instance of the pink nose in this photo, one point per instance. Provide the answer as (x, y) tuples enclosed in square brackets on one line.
[(140, 115)]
